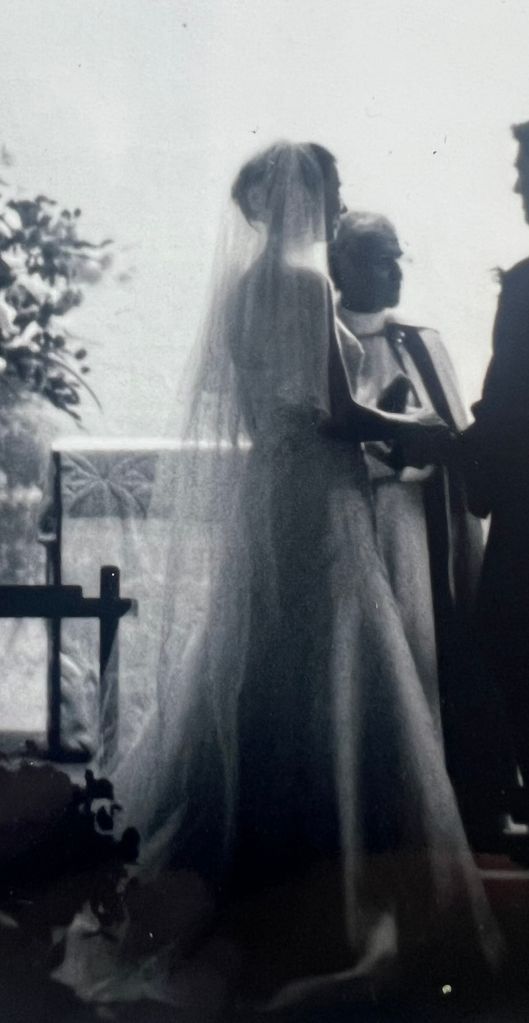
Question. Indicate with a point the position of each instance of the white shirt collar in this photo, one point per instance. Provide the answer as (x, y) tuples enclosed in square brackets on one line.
[(363, 324)]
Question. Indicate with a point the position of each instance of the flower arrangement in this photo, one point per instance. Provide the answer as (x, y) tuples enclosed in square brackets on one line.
[(43, 265), (57, 848), (58, 854)]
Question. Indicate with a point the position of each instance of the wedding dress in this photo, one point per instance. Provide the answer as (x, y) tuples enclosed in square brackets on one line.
[(291, 728)]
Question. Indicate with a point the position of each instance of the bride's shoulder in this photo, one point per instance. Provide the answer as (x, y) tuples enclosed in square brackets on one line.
[(313, 278), (315, 294), (310, 282), (283, 280)]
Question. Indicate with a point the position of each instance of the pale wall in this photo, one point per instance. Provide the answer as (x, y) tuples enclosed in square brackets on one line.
[(139, 111)]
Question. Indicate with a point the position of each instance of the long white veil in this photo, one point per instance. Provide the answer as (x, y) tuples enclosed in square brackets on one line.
[(260, 366)]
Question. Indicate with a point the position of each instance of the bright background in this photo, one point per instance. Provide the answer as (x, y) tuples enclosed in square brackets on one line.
[(140, 111)]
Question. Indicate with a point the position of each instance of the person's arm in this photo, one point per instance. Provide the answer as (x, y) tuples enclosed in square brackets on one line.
[(352, 421)]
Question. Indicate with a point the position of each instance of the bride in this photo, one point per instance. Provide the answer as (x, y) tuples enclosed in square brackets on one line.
[(292, 739)]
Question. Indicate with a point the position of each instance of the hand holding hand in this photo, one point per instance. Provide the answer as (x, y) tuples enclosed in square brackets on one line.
[(423, 440)]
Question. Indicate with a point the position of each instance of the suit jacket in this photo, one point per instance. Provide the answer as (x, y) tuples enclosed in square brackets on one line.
[(496, 457), (497, 443), (477, 743)]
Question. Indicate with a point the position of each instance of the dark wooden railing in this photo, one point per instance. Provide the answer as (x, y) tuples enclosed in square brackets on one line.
[(55, 602)]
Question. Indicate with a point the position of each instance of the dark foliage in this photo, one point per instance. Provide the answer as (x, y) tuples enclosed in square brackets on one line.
[(57, 854), (43, 265)]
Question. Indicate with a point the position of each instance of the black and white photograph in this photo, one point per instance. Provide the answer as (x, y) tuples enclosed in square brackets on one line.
[(264, 511)]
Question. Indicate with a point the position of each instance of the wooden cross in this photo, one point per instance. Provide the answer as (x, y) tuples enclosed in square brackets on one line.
[(55, 602)]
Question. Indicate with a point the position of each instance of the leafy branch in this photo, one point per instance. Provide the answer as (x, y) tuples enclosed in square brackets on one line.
[(44, 264)]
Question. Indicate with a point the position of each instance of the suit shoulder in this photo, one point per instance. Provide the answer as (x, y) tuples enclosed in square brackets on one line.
[(517, 274), (430, 337), (406, 326), (513, 303), (521, 267), (433, 343)]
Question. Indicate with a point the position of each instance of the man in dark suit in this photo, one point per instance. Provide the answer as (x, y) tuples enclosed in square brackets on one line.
[(496, 456), (432, 546)]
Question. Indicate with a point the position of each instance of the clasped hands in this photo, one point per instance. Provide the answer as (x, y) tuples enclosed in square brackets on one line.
[(421, 439), (415, 438)]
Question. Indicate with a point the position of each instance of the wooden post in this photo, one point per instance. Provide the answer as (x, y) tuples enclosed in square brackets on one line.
[(52, 544), (56, 602), (54, 687), (109, 664)]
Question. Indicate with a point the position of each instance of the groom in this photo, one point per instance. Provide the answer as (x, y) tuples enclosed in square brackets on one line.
[(496, 455), (432, 547)]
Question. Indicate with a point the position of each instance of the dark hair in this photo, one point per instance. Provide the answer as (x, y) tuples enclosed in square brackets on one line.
[(252, 173), (324, 157), (521, 134), (261, 170)]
